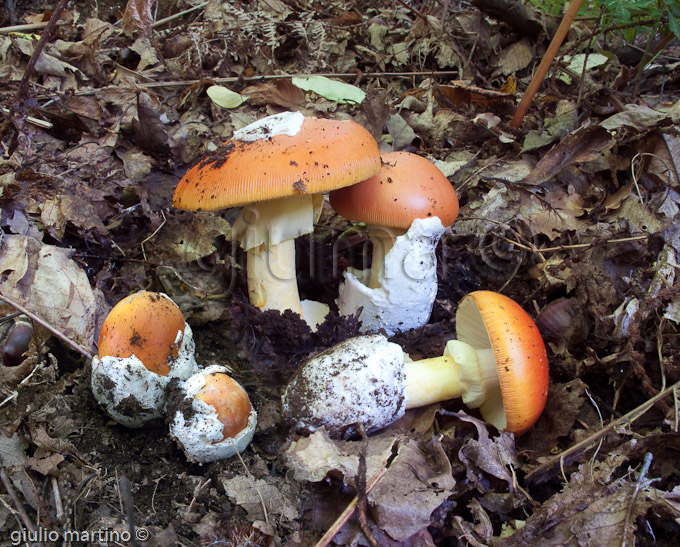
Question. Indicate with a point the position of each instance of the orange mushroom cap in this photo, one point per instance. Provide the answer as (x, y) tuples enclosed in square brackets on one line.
[(144, 324), (323, 155), (229, 400), (407, 187), (486, 319)]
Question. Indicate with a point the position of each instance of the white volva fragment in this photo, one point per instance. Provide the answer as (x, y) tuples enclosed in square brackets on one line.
[(408, 283), (129, 392), (285, 123), (201, 435), (359, 381)]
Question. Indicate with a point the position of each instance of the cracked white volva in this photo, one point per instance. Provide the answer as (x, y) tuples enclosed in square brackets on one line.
[(129, 392), (359, 381), (285, 123), (408, 283), (201, 437)]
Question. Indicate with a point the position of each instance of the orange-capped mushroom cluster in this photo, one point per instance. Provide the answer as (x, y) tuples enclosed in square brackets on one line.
[(277, 169), (146, 350)]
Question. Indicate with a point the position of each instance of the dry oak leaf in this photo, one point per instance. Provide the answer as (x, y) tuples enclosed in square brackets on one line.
[(45, 279)]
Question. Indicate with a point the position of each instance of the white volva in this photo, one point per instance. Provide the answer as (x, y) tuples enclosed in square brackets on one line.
[(407, 283), (201, 436), (285, 123), (129, 392)]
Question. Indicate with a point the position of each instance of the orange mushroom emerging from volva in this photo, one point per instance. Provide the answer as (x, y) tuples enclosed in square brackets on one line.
[(406, 206), (408, 187), (144, 343), (277, 168), (211, 416), (498, 364)]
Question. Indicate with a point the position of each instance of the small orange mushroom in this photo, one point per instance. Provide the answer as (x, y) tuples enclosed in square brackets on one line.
[(229, 400), (144, 343), (210, 415)]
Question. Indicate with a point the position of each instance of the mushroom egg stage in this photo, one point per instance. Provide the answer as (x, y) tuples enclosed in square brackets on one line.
[(143, 344), (210, 415)]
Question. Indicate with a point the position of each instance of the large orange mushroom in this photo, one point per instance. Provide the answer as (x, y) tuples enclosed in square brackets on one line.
[(407, 187), (406, 206), (498, 364), (277, 169)]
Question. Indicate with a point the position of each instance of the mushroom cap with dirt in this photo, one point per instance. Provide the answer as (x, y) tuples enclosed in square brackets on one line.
[(210, 415), (277, 168), (498, 364), (144, 343)]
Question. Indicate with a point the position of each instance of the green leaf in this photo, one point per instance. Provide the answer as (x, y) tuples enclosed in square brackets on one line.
[(331, 89), (226, 98), (575, 63)]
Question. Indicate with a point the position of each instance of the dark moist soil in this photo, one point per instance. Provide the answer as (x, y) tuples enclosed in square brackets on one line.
[(263, 349)]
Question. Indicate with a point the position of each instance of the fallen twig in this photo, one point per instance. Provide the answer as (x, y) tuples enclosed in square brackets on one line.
[(545, 63), (22, 92), (170, 18), (23, 28), (585, 443), (266, 77), (351, 507), (42, 322), (18, 507)]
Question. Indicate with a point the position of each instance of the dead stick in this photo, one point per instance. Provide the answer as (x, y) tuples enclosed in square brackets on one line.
[(349, 511), (23, 28), (22, 92), (547, 60), (623, 420), (17, 503), (53, 330)]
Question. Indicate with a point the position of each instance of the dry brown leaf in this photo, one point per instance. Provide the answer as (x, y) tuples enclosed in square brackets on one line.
[(150, 133), (279, 92), (592, 510), (48, 282), (516, 56), (584, 145), (48, 465), (258, 495), (136, 164), (557, 420), (138, 18), (416, 484), (312, 458)]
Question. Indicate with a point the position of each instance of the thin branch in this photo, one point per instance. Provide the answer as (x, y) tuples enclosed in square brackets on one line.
[(170, 18), (18, 506), (266, 77), (23, 28), (545, 63), (22, 92), (626, 419), (42, 322)]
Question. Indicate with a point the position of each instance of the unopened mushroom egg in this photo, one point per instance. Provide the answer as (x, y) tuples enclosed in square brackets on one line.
[(211, 416), (143, 344)]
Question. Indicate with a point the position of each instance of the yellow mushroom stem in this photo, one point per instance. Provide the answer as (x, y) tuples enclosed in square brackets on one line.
[(462, 371), (272, 282), (267, 231), (383, 239)]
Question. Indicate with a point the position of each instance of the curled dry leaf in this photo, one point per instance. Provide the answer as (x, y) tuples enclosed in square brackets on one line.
[(138, 18), (47, 281), (418, 479)]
